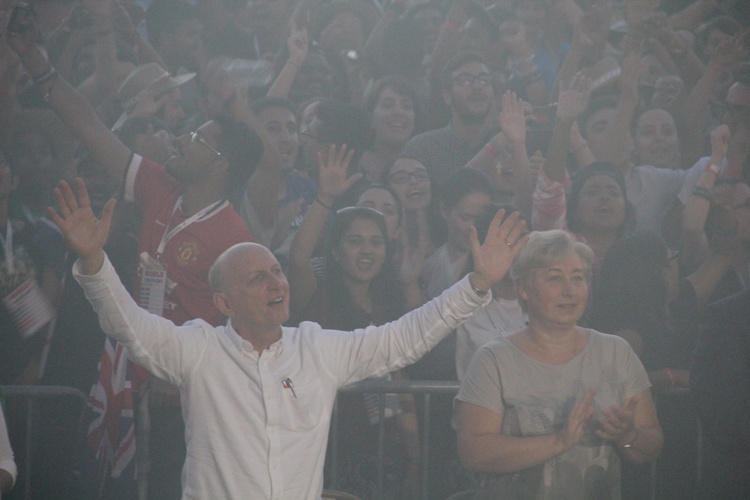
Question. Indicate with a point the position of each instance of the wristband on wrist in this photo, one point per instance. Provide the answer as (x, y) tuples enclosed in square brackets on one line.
[(476, 290), (712, 167), (327, 207), (670, 375), (49, 75), (702, 192)]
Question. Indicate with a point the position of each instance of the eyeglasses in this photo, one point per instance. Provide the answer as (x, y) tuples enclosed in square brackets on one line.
[(467, 79), (197, 137), (405, 177)]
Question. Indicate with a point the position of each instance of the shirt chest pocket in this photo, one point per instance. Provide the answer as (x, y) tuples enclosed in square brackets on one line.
[(301, 405)]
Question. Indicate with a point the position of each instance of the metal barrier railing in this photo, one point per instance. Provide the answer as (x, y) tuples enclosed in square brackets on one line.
[(423, 388), (426, 389), (33, 394)]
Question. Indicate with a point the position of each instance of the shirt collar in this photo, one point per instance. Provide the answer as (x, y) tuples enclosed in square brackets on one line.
[(243, 345)]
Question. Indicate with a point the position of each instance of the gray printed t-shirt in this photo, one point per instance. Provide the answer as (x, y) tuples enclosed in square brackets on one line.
[(535, 398)]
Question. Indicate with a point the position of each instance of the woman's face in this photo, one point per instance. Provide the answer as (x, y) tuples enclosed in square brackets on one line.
[(656, 139), (460, 218), (556, 295), (393, 118), (601, 205), (409, 179), (361, 250), (382, 201)]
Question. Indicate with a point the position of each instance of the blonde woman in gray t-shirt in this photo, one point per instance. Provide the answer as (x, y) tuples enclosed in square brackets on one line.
[(549, 411)]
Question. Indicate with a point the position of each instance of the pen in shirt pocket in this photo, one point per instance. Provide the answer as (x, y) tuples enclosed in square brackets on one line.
[(287, 384)]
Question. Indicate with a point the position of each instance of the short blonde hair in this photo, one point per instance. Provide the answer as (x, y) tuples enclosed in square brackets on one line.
[(546, 247)]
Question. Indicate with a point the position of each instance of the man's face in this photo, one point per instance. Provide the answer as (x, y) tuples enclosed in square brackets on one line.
[(281, 125), (197, 153), (256, 291), (738, 107), (470, 93)]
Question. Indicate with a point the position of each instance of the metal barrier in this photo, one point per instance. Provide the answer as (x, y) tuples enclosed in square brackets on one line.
[(423, 388), (426, 389), (33, 394)]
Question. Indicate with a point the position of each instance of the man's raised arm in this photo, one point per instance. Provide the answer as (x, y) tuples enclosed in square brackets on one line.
[(68, 104), (84, 233)]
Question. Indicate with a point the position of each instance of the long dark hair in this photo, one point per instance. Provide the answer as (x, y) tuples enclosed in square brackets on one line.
[(385, 290), (631, 292)]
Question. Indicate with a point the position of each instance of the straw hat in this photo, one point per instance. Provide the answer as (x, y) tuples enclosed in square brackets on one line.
[(140, 78)]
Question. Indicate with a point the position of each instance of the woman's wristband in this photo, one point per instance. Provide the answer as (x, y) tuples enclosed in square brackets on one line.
[(49, 75), (712, 167), (327, 207)]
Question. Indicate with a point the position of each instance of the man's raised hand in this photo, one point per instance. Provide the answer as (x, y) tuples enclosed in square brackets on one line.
[(84, 233)]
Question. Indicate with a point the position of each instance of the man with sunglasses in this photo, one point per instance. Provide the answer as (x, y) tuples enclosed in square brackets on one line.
[(468, 93), (187, 220)]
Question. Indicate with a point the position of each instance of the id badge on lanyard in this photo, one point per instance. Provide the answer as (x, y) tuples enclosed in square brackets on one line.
[(155, 284)]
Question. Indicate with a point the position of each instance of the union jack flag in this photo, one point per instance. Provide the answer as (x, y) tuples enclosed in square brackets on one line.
[(111, 433)]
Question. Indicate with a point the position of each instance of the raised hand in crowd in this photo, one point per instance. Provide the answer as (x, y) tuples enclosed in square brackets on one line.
[(571, 102), (84, 233), (333, 166), (297, 44), (513, 128)]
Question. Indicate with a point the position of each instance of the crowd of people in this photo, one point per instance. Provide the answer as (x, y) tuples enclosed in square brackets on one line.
[(371, 152)]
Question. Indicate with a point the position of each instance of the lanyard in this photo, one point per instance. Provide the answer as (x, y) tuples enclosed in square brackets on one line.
[(201, 214), (8, 247)]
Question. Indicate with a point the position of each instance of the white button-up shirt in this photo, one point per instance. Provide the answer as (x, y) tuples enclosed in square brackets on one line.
[(256, 424)]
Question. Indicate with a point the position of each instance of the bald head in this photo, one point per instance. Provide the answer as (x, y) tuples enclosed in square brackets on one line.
[(230, 261)]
